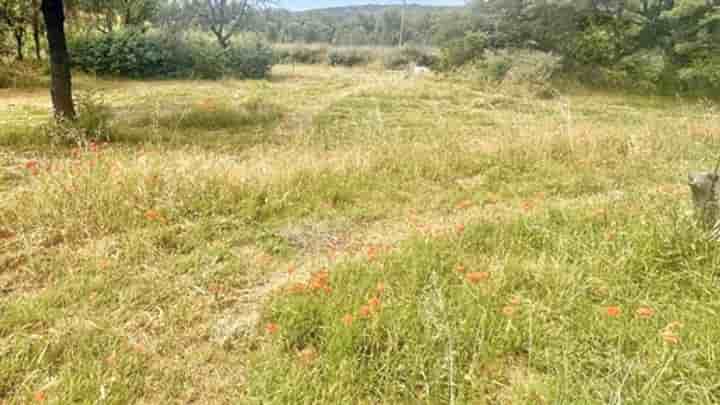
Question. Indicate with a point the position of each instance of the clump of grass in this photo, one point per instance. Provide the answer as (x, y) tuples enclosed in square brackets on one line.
[(211, 114), (92, 124)]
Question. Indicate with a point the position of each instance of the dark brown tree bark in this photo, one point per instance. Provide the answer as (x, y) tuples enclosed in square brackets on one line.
[(20, 42), (36, 28), (61, 80)]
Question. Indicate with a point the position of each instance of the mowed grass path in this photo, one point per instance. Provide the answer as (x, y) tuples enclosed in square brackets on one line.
[(349, 235)]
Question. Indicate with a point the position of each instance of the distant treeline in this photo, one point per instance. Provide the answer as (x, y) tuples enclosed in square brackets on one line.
[(671, 45)]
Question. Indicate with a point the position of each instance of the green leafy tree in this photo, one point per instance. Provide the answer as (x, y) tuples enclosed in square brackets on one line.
[(224, 18)]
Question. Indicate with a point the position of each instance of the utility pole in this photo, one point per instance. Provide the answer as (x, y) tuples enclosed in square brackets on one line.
[(402, 23)]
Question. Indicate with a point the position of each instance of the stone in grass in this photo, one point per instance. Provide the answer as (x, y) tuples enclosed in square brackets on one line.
[(706, 202)]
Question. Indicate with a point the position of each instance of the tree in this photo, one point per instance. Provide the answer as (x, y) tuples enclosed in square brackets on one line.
[(110, 13), (224, 18), (61, 80), (15, 14), (36, 27)]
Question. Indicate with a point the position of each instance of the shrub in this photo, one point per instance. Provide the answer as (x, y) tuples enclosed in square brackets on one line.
[(305, 54), (139, 55), (521, 66), (701, 77), (349, 57), (401, 58), (130, 53), (248, 61), (464, 50), (594, 46)]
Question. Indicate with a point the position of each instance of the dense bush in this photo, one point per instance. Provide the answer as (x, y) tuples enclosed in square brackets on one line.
[(248, 61), (465, 50), (594, 46), (305, 54), (521, 66), (349, 56), (701, 77), (130, 54), (407, 55), (139, 55)]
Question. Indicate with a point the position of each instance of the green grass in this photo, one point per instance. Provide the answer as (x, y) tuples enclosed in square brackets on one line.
[(148, 269), (535, 331)]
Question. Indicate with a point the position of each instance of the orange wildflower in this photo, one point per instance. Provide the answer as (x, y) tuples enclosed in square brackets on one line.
[(40, 396), (372, 252), (347, 319), (297, 288), (319, 280), (374, 303), (477, 276), (509, 310), (645, 312), (291, 270), (152, 215), (460, 228), (365, 311), (272, 328), (464, 204), (613, 311), (460, 268)]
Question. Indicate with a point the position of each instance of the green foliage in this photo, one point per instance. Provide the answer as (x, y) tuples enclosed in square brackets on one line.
[(410, 54), (645, 68), (349, 57), (135, 54), (520, 66), (299, 53), (248, 61), (701, 76), (462, 51), (594, 46), (130, 53)]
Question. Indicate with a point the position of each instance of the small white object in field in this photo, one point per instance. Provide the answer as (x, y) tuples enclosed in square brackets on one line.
[(421, 70), (416, 70)]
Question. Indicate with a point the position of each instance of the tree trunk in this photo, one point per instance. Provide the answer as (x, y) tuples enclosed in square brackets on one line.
[(36, 29), (19, 40), (61, 81)]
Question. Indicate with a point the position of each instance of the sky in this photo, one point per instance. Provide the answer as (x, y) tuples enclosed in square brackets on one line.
[(310, 4)]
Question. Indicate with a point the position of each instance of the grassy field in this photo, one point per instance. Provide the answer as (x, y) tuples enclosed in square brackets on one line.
[(348, 235)]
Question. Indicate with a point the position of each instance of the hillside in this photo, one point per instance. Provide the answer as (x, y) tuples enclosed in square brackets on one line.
[(373, 9)]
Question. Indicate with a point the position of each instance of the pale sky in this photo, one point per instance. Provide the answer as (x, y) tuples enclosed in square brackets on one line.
[(309, 4)]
